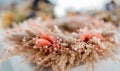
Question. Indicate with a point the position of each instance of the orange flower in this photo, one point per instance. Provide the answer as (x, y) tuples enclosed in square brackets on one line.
[(42, 42), (45, 36), (88, 36)]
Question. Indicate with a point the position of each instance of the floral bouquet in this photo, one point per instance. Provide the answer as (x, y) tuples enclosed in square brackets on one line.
[(59, 45)]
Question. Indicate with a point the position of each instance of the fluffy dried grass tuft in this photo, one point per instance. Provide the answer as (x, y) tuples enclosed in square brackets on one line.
[(58, 49)]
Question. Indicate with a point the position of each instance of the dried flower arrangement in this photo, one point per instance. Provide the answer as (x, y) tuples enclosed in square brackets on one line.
[(52, 46)]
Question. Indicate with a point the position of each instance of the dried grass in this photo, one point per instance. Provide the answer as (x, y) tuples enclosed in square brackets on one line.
[(65, 51)]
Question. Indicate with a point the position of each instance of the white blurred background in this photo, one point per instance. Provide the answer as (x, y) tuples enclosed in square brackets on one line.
[(62, 5)]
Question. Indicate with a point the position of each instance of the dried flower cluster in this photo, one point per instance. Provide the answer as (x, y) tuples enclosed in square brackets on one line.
[(49, 44)]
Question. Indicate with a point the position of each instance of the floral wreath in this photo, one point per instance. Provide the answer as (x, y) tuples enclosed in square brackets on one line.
[(52, 44)]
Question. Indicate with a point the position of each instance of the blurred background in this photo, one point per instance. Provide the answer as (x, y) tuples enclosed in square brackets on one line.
[(20, 10)]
